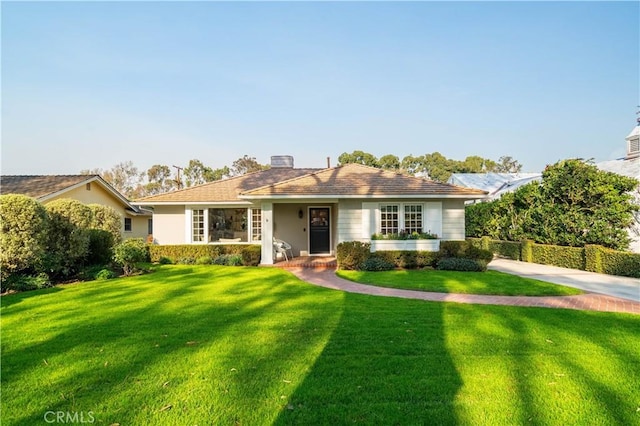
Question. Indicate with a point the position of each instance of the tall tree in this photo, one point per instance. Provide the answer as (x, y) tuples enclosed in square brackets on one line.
[(389, 162), (246, 165), (507, 164), (158, 180), (358, 157)]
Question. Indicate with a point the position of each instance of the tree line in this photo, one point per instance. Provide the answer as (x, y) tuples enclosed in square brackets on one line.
[(159, 178), (434, 166)]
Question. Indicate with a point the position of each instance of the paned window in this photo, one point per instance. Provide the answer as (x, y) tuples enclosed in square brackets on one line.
[(127, 224), (198, 226), (256, 224), (389, 219), (413, 218)]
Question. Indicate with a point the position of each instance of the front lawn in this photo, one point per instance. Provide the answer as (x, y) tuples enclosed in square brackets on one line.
[(489, 282), (231, 345)]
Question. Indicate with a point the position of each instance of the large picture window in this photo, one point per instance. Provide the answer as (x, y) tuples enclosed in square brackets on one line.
[(228, 224)]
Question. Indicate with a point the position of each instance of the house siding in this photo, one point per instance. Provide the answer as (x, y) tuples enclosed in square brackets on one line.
[(349, 221), (169, 225), (453, 220)]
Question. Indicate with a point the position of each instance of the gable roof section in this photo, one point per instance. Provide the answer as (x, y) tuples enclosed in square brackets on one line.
[(226, 190), (45, 187), (359, 181), (42, 187)]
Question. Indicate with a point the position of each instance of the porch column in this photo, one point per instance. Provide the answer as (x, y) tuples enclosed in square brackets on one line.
[(267, 234)]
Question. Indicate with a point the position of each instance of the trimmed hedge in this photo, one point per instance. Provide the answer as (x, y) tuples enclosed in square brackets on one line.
[(462, 264), (567, 257), (250, 253), (407, 259), (508, 249), (351, 254), (593, 258), (609, 261)]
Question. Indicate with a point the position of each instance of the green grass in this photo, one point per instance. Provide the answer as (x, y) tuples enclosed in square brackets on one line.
[(227, 345), (489, 282)]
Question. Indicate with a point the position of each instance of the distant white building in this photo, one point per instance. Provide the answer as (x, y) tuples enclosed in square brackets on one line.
[(495, 184), (629, 166)]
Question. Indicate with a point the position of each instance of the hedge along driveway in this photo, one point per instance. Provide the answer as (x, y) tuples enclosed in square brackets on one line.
[(623, 287)]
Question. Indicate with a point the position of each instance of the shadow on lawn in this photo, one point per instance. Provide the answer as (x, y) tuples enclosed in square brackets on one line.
[(183, 356), (385, 363)]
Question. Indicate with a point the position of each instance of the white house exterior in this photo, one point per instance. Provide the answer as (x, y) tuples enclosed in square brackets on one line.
[(312, 209), (629, 166)]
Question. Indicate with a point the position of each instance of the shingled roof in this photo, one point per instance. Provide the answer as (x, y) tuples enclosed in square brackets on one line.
[(226, 190), (43, 185), (356, 180)]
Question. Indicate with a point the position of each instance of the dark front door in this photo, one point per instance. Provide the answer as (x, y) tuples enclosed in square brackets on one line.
[(319, 234)]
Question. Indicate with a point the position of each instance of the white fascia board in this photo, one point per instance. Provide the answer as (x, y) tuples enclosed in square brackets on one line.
[(240, 203), (335, 198)]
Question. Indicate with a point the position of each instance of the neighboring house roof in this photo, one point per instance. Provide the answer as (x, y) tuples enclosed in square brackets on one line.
[(495, 184), (226, 190), (45, 187), (356, 180), (349, 180), (624, 166)]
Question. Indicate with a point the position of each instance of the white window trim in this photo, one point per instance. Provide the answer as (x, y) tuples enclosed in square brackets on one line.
[(401, 214)]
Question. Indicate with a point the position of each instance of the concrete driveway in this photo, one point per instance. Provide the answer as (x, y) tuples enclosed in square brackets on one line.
[(611, 285)]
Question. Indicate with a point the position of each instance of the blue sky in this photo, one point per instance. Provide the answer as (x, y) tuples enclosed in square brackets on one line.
[(89, 85)]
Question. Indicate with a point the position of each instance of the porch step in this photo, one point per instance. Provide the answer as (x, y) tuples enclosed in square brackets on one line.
[(311, 262)]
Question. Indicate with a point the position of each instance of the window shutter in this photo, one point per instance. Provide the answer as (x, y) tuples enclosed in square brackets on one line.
[(368, 219), (433, 218)]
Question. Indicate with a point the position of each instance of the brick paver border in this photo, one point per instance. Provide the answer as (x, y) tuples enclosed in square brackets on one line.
[(586, 302)]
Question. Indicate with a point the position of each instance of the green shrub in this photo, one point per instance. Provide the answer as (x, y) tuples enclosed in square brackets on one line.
[(620, 263), (166, 261), (68, 237), (130, 252), (105, 274), (508, 249), (204, 260), (187, 260), (526, 251), (107, 219), (464, 249), (234, 260), (351, 254), (250, 254), (593, 258), (462, 264), (100, 247), (24, 234), (565, 257), (223, 260), (20, 282), (375, 263)]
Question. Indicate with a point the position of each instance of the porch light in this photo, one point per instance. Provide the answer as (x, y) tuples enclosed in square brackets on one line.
[(300, 213)]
